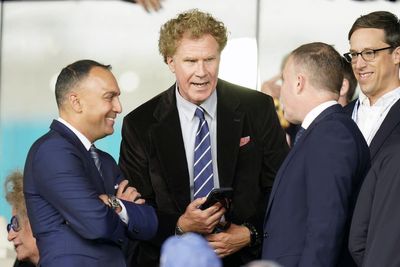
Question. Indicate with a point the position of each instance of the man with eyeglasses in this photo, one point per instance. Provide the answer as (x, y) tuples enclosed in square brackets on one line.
[(375, 57)]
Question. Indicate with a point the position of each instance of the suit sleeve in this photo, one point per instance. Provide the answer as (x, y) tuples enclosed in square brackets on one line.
[(134, 164), (275, 147), (374, 235), (361, 218), (63, 182), (142, 223), (329, 173)]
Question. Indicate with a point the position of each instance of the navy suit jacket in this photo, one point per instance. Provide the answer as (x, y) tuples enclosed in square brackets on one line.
[(72, 226), (153, 158), (314, 193), (374, 229)]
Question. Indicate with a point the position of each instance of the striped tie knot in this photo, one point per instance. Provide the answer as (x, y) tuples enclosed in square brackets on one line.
[(199, 113)]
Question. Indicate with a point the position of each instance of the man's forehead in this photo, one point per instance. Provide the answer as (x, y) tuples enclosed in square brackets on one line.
[(367, 36)]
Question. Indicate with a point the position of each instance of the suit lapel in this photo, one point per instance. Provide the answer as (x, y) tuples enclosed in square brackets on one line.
[(169, 146), (388, 125), (110, 178), (91, 168), (229, 131), (293, 151)]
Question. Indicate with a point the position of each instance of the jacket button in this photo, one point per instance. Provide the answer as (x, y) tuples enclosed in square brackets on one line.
[(120, 241), (266, 235)]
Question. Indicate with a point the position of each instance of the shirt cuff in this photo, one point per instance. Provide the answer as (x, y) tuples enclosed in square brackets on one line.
[(123, 215)]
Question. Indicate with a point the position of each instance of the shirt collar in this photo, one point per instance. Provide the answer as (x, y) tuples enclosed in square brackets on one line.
[(80, 136), (383, 100), (188, 108), (314, 113)]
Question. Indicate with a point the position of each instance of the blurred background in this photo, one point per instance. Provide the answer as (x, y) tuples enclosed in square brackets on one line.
[(39, 38)]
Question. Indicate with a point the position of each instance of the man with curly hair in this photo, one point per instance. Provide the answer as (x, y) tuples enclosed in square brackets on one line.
[(202, 133)]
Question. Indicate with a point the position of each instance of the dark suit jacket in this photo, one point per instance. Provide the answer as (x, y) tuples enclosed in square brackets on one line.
[(314, 193), (71, 224), (374, 232), (387, 134), (153, 158)]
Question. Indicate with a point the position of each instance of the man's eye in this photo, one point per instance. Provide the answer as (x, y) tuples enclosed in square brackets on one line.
[(368, 53)]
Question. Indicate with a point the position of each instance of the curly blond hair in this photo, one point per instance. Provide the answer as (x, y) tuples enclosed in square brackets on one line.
[(14, 192), (194, 24)]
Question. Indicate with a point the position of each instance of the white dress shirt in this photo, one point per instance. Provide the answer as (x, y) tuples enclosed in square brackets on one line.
[(189, 124), (123, 215), (314, 113), (369, 118)]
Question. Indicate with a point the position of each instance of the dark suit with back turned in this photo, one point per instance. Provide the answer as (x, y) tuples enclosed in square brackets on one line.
[(374, 235), (72, 226), (314, 193), (153, 158)]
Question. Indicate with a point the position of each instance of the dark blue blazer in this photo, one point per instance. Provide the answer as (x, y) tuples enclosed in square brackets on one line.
[(313, 196), (71, 224), (374, 234)]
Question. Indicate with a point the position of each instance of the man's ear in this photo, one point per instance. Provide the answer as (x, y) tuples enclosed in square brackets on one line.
[(301, 80), (171, 64), (345, 88), (74, 101), (396, 55)]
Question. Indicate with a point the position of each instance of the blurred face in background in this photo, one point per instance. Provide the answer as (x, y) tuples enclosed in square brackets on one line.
[(20, 234)]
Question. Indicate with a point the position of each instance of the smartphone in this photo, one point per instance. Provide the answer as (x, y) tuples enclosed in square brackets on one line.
[(223, 195)]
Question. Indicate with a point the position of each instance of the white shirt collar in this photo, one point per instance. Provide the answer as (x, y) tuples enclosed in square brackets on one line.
[(314, 113), (188, 108), (80, 136), (384, 100)]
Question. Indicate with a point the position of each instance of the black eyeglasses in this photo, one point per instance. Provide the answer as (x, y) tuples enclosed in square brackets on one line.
[(14, 224), (367, 54)]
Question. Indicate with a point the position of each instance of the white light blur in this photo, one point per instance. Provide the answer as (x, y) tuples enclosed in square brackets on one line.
[(129, 81), (239, 62)]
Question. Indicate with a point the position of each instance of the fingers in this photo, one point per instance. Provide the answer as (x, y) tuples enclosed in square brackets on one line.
[(104, 198), (128, 193), (155, 4), (150, 4), (140, 201), (195, 204), (121, 187)]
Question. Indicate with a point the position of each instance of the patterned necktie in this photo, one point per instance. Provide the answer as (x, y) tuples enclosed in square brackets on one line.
[(203, 168), (95, 157), (298, 135)]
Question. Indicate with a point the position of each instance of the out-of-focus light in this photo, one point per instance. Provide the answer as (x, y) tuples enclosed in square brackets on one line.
[(129, 81), (239, 62)]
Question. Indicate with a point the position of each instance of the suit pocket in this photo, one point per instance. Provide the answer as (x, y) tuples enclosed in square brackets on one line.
[(247, 147)]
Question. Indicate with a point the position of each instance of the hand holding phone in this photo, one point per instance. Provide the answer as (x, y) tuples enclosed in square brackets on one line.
[(222, 195)]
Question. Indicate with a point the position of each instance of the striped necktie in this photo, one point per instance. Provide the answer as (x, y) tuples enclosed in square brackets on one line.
[(96, 159), (203, 168)]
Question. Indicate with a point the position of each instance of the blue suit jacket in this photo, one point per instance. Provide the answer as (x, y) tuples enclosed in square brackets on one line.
[(71, 224), (313, 196)]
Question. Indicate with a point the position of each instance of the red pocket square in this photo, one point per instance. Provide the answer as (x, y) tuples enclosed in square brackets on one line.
[(244, 140)]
